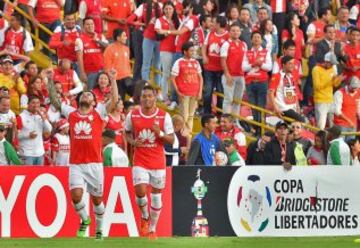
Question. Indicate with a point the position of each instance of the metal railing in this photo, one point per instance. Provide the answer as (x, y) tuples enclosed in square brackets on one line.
[(38, 42), (263, 125)]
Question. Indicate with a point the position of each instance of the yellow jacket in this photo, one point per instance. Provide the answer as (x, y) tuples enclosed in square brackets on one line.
[(16, 89), (324, 82)]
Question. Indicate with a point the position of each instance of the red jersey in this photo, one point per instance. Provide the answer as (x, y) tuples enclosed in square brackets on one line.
[(234, 52), (167, 44), (93, 10), (60, 35), (353, 53), (299, 41), (14, 41), (151, 154), (190, 23), (238, 137), (278, 6), (85, 138), (213, 44), (186, 72), (92, 54), (65, 78), (101, 95), (348, 108), (141, 14), (118, 128), (47, 11), (259, 75)]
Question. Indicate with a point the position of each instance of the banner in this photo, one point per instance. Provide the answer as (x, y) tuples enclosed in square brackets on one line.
[(266, 201), (306, 201), (35, 202)]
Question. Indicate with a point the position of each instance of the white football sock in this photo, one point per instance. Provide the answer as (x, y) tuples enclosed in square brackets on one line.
[(155, 209), (81, 210), (142, 202), (99, 211)]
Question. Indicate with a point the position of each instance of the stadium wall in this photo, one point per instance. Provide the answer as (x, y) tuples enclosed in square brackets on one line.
[(198, 201)]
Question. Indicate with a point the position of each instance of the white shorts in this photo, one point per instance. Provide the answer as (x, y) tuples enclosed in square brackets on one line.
[(156, 178), (89, 176)]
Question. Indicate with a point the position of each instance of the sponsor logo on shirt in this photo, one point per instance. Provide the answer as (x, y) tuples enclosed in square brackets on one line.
[(82, 130), (147, 137)]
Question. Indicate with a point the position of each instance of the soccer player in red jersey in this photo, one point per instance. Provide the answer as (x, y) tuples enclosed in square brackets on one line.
[(148, 128), (86, 162)]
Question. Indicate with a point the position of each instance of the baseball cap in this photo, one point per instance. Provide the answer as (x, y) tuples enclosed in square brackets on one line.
[(281, 124), (354, 83), (62, 123), (7, 59), (331, 58)]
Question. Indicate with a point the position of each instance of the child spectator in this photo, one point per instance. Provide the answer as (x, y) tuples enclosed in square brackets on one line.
[(8, 154), (234, 157), (60, 144), (317, 153)]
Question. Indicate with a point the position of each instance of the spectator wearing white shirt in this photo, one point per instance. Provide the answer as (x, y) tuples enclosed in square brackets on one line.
[(113, 155), (7, 118), (32, 125)]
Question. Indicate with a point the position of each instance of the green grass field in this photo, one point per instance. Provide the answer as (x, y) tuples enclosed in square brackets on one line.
[(323, 242)]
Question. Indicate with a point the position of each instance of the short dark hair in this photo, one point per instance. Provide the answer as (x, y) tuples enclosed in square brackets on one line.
[(33, 97), (28, 64), (148, 87), (354, 29), (206, 119), (109, 134), (245, 9), (327, 26), (117, 32), (255, 32), (286, 59), (261, 8), (269, 134), (235, 24), (186, 46), (221, 20), (203, 18), (322, 12), (227, 116), (87, 18), (289, 43), (17, 16)]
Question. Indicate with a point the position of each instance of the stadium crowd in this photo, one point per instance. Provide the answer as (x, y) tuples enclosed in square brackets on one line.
[(299, 58)]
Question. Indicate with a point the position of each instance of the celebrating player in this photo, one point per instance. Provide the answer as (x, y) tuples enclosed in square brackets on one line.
[(86, 162), (147, 129)]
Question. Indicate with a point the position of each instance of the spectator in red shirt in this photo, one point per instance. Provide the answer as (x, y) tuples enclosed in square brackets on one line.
[(64, 39), (256, 65), (212, 65), (232, 54), (146, 14), (293, 32), (48, 13), (31, 70), (102, 88), (89, 52), (188, 83), (169, 21), (92, 8), (228, 130), (352, 54)]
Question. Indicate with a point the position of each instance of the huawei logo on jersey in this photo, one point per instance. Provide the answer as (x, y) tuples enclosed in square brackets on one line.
[(147, 137), (82, 127)]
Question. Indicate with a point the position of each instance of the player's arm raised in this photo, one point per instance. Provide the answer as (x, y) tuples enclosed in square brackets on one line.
[(114, 91)]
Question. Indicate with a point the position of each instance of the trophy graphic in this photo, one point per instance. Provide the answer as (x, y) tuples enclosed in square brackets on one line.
[(199, 227)]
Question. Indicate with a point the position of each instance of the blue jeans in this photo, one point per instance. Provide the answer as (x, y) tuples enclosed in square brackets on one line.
[(137, 38), (308, 87), (33, 160), (151, 56), (257, 93), (166, 59), (92, 80), (212, 79)]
